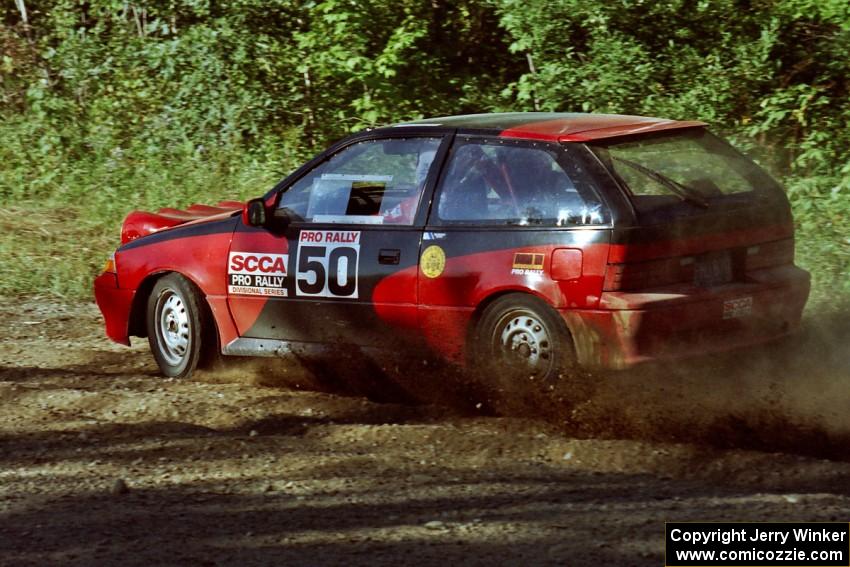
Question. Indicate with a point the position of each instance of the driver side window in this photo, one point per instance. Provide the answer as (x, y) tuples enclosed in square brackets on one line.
[(370, 182)]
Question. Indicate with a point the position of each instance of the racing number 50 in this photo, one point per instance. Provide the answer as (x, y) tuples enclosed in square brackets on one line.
[(327, 271)]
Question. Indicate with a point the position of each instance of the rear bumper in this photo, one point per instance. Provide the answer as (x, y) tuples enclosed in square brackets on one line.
[(683, 321), (115, 304)]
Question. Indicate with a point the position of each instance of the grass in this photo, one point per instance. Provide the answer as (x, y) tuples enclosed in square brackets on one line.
[(56, 241), (51, 250)]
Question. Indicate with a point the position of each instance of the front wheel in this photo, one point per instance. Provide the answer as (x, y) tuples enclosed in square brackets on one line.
[(180, 329)]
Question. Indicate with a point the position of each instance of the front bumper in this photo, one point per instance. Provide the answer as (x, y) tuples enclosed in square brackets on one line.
[(115, 305), (683, 321)]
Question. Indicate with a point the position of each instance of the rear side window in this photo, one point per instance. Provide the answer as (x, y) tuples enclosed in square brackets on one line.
[(693, 166), (493, 183)]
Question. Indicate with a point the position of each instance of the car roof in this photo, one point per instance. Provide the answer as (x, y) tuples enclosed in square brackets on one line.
[(555, 126)]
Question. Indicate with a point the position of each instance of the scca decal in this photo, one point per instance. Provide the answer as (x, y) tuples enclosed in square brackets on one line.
[(254, 273), (248, 263)]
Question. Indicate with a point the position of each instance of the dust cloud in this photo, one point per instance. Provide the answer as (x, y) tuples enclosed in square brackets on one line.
[(352, 371), (790, 396), (787, 396)]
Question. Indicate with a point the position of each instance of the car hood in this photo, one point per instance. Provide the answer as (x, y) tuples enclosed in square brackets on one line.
[(142, 223)]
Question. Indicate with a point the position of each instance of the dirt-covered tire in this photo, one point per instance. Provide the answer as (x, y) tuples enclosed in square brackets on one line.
[(181, 331), (520, 339), (520, 335)]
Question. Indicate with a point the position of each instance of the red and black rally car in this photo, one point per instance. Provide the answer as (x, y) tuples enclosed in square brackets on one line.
[(519, 242)]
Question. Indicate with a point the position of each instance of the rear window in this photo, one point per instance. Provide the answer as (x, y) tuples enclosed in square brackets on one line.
[(692, 166)]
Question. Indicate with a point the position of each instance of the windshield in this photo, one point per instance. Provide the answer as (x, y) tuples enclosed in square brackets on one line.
[(691, 166)]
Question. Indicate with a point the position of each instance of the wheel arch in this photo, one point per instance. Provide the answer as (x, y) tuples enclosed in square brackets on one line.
[(137, 326), (489, 299)]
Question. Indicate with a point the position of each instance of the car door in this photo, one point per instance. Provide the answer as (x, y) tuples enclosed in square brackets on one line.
[(509, 216), (344, 267)]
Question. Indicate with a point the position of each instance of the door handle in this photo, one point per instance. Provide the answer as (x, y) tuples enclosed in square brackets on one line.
[(389, 256)]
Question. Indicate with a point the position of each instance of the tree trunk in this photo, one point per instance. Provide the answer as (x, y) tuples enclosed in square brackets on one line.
[(533, 71), (22, 8)]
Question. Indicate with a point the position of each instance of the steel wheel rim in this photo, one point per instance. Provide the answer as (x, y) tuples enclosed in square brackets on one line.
[(521, 340), (172, 327)]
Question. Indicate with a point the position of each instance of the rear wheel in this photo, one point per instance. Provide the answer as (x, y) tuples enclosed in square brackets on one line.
[(523, 349), (521, 336), (180, 328)]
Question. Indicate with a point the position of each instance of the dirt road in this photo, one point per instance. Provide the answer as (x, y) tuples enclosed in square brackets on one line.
[(105, 463)]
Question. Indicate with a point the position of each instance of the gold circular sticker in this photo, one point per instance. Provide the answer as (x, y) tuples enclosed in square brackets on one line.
[(433, 261)]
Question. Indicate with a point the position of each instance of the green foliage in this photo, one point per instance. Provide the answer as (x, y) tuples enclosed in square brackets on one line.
[(107, 105), (376, 62)]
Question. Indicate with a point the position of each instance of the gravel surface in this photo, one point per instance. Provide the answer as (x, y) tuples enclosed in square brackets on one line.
[(106, 463)]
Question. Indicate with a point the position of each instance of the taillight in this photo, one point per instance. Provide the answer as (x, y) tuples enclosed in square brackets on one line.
[(656, 273), (769, 254), (652, 273)]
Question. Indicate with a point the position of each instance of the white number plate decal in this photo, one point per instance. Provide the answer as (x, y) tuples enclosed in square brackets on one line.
[(327, 263), (738, 307), (256, 273)]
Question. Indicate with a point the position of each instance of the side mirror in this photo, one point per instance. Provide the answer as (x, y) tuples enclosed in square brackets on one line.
[(280, 219), (254, 213)]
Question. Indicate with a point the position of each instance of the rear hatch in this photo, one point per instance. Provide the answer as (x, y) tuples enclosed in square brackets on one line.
[(705, 215)]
